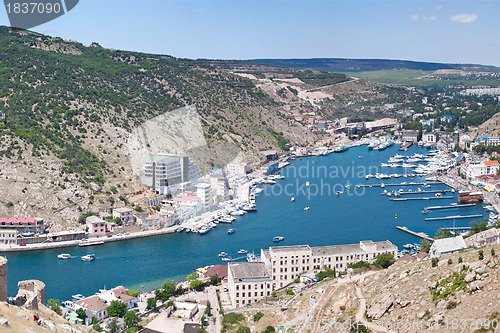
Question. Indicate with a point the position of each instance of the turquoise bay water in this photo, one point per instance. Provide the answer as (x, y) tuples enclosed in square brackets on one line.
[(357, 214)]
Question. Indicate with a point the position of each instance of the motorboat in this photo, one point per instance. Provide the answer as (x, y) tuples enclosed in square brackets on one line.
[(307, 184), (250, 208), (231, 231), (88, 257), (292, 199), (307, 208), (238, 212), (278, 239), (223, 254), (339, 193), (203, 230), (425, 211), (227, 258), (64, 256), (179, 230), (242, 251), (251, 257)]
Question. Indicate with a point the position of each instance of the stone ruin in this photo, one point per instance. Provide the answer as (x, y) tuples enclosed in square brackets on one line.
[(30, 295)]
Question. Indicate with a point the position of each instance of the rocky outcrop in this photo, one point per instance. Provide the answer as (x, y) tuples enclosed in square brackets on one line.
[(378, 309)]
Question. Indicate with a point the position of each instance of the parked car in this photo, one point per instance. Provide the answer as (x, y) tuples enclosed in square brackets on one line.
[(22, 244)]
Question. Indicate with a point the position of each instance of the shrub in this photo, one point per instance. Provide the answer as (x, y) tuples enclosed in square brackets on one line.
[(54, 305), (384, 260), (359, 264), (481, 254), (269, 329), (325, 274), (450, 261), (232, 318), (289, 292), (243, 329), (434, 262), (493, 253), (258, 316), (451, 305), (460, 260)]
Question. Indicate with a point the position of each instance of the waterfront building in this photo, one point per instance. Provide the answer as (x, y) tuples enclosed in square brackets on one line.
[(8, 236), (488, 140), (409, 135), (490, 182), (474, 169), (203, 192), (446, 246), (485, 238), (287, 263), (124, 213), (23, 224), (96, 226), (239, 168), (166, 173), (431, 138), (182, 207), (248, 282), (219, 184)]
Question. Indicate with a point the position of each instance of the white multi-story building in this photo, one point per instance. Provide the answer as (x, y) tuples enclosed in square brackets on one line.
[(23, 224), (219, 184), (166, 173), (287, 263), (203, 192), (8, 236), (248, 282), (474, 169), (239, 168), (183, 207), (430, 138)]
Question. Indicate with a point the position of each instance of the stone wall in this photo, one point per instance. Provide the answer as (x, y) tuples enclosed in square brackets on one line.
[(3, 279)]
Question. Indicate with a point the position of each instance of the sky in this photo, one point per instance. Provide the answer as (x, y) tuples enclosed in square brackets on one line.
[(462, 31)]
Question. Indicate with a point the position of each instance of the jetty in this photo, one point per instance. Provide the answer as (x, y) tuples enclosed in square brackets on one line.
[(401, 184), (447, 207), (453, 217), (418, 234), (418, 192), (424, 198), (406, 145)]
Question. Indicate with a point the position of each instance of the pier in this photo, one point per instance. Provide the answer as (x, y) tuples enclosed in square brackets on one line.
[(447, 207), (452, 217), (418, 192), (406, 145), (401, 184), (418, 234), (425, 198)]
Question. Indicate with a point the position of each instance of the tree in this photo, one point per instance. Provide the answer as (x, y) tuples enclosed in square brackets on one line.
[(442, 233), (419, 135), (192, 276), (426, 246), (257, 316), (208, 309), (481, 254), (384, 260), (434, 262), (116, 308), (151, 303), (493, 253), (95, 325), (197, 285), (131, 319), (166, 291), (55, 305), (113, 326), (243, 329), (81, 314), (214, 280), (269, 329)]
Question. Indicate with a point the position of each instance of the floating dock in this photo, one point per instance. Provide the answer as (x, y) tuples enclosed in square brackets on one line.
[(418, 192), (402, 184), (425, 198), (418, 234), (452, 217), (452, 206), (406, 145)]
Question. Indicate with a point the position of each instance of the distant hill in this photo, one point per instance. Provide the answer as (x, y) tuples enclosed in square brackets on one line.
[(361, 65)]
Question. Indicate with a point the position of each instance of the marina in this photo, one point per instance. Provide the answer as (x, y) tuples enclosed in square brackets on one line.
[(419, 192), (145, 263), (398, 184), (455, 217)]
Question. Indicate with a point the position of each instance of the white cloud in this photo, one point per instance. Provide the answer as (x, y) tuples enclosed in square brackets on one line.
[(438, 7), (417, 17), (463, 18)]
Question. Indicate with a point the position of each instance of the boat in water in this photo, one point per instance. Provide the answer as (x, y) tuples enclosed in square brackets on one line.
[(223, 254), (227, 259), (251, 257), (204, 230), (90, 243), (339, 193), (341, 148), (231, 231), (242, 251), (64, 256), (278, 239), (425, 211), (250, 208), (307, 184), (307, 208), (88, 257), (292, 199), (179, 230)]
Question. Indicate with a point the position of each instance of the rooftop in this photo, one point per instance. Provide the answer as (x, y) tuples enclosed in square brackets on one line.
[(163, 158), (93, 303), (249, 270), (16, 220), (449, 244)]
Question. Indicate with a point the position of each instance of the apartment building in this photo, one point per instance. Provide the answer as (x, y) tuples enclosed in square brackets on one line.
[(248, 282)]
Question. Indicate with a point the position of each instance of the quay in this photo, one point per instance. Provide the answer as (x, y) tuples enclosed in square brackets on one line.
[(406, 145), (452, 217), (418, 192), (418, 234), (447, 207), (425, 198), (401, 184)]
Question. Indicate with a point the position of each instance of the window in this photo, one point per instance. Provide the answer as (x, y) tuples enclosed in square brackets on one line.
[(237, 294), (237, 287), (242, 294)]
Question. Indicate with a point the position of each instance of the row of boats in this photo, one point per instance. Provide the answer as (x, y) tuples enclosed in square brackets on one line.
[(250, 257), (422, 164)]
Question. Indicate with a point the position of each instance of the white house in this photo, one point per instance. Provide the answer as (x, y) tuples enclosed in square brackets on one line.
[(475, 169), (96, 226), (446, 246)]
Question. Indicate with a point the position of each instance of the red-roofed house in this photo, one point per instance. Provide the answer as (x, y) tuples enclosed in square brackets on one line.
[(492, 181), (407, 257), (219, 270), (94, 307), (473, 170), (22, 224)]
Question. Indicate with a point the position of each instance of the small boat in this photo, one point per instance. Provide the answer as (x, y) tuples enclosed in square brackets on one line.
[(227, 259), (77, 297), (223, 254), (242, 251), (64, 256), (307, 184), (408, 246), (188, 230), (179, 230), (231, 231), (250, 208), (238, 212), (339, 193), (348, 186), (204, 230), (425, 211), (90, 243), (278, 238), (88, 257), (292, 199), (307, 208), (251, 257)]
